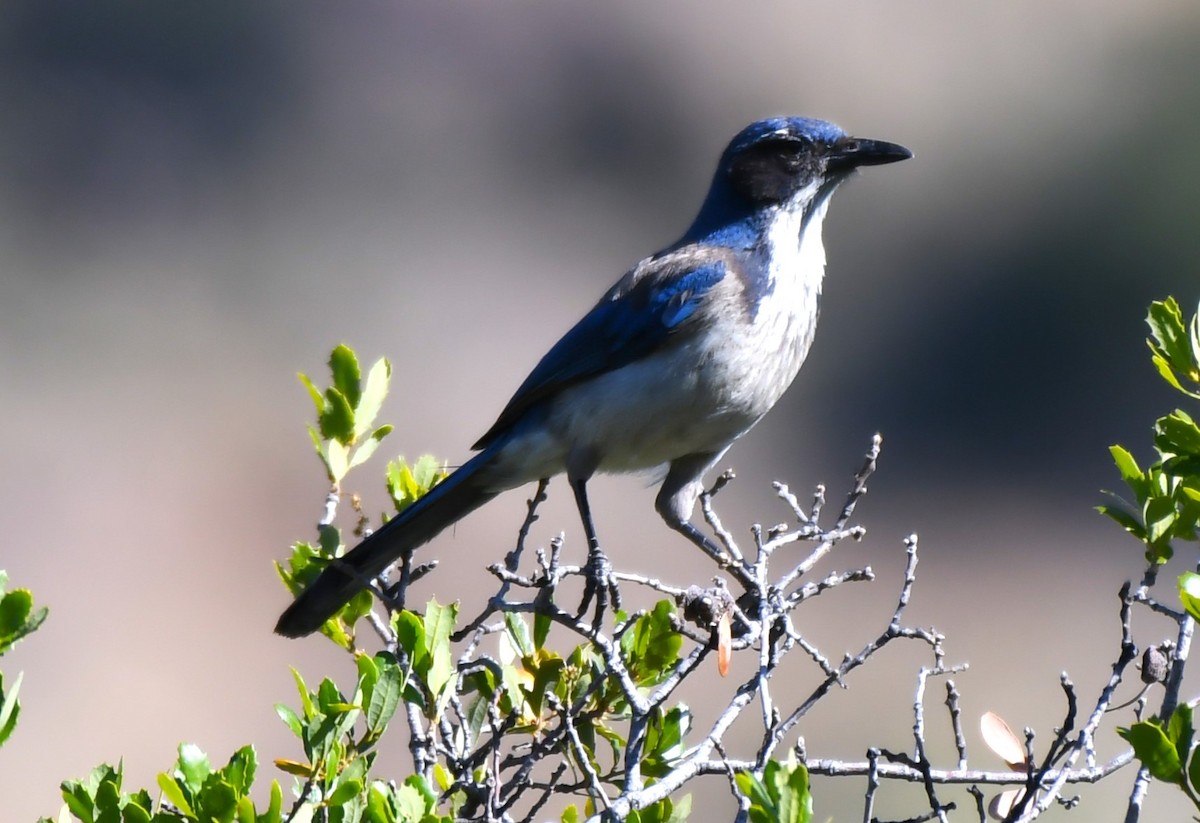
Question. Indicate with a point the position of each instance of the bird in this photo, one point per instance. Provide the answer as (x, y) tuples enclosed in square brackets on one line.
[(677, 360)]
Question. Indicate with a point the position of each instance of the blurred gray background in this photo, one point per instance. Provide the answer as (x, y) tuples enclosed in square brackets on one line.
[(199, 200)]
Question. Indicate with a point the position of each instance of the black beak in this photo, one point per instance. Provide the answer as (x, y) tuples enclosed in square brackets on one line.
[(852, 152)]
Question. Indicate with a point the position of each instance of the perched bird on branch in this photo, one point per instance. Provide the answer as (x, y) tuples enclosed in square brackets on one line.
[(677, 361)]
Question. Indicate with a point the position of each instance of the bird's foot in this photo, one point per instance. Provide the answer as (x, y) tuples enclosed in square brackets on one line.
[(600, 586)]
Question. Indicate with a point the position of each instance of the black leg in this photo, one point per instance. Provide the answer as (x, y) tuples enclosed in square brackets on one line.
[(600, 584)]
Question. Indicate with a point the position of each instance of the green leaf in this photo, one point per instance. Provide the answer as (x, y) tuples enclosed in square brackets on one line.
[(541, 629), (290, 718), (1160, 515), (173, 791), (192, 766), (14, 611), (652, 645), (1128, 468), (218, 801), (346, 791), (239, 772), (1186, 466), (546, 673), (108, 799), (381, 803), (329, 539), (682, 810), (1189, 593), (135, 812), (665, 738), (306, 703), (1156, 752), (761, 804), (1124, 519), (10, 707), (274, 813), (410, 638), (1177, 434), (518, 633), (1165, 371), (368, 675), (336, 420), (422, 787), (789, 784), (347, 377), (1193, 772), (313, 391), (368, 406), (410, 805), (337, 458), (782, 796), (439, 624), (477, 714), (1180, 730), (364, 451), (428, 471), (385, 697), (1166, 327), (17, 617)]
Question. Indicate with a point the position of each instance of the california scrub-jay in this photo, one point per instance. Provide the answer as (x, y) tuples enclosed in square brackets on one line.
[(679, 359)]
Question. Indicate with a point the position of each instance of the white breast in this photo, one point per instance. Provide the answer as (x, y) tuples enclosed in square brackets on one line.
[(774, 346), (700, 396)]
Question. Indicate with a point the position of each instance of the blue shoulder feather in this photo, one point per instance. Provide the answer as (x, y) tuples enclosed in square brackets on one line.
[(633, 319)]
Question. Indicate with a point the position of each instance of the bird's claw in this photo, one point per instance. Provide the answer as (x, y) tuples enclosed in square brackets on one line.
[(600, 585)]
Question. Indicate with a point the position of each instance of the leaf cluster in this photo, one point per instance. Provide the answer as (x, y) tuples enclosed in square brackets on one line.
[(339, 737), (18, 619), (1166, 494), (1169, 751), (781, 796), (191, 792), (344, 436)]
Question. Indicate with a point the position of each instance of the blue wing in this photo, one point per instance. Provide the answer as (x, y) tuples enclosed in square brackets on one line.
[(635, 317)]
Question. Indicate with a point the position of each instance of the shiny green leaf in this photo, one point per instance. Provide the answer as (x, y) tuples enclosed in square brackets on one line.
[(376, 389), (1177, 434), (1125, 520), (1128, 468), (347, 377), (363, 452), (313, 392), (337, 459), (381, 805), (1157, 753), (410, 637), (10, 707), (385, 697), (1166, 327), (410, 805), (172, 790), (518, 633), (651, 646), (1160, 515), (346, 791), (192, 766), (240, 770), (1189, 593), (290, 718)]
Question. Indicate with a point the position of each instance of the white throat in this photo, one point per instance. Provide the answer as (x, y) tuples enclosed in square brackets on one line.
[(794, 244)]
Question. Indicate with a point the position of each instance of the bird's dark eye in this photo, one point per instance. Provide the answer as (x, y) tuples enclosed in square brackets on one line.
[(770, 171)]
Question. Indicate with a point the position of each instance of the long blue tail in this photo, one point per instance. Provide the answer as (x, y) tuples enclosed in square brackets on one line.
[(449, 501)]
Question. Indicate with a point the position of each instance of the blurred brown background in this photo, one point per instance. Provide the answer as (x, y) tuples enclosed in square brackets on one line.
[(198, 200)]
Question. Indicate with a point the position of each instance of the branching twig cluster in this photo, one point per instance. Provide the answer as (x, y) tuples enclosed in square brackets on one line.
[(510, 763)]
